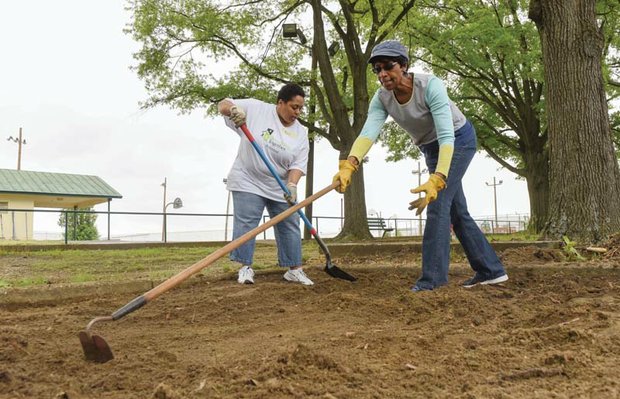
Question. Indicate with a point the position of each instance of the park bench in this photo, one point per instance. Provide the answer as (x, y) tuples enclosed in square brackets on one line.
[(379, 224)]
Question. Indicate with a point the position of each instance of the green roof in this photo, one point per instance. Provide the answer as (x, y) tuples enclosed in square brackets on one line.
[(57, 184)]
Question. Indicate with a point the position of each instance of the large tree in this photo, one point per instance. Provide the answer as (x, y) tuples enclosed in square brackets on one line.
[(584, 173), (184, 43)]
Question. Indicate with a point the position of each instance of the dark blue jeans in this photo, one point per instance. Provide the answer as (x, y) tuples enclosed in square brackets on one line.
[(451, 208)]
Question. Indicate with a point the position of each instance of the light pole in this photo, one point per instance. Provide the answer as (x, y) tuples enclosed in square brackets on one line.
[(163, 226), (291, 32), (419, 173), (225, 180), (176, 204), (494, 185), (20, 142)]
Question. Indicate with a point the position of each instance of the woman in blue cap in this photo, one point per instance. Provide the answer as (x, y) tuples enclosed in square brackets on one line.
[(419, 104)]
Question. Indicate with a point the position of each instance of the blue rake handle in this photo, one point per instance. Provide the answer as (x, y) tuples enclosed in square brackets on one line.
[(330, 268), (275, 174)]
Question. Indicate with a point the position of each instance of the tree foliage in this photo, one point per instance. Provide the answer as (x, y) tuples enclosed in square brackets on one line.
[(80, 226), (489, 53), (608, 16), (194, 53)]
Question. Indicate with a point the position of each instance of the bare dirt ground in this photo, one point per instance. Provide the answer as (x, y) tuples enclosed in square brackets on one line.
[(551, 331)]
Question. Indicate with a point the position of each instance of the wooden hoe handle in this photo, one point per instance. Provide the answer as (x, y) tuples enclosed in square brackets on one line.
[(198, 266)]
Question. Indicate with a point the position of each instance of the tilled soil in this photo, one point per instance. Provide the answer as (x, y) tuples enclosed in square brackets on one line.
[(551, 331)]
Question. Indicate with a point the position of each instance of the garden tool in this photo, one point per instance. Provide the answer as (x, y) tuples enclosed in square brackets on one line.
[(330, 268), (96, 348)]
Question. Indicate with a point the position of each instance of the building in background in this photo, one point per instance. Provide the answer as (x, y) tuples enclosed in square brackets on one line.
[(28, 190)]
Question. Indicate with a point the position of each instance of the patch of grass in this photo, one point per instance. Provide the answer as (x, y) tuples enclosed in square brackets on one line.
[(29, 281), (82, 278), (518, 236), (76, 266)]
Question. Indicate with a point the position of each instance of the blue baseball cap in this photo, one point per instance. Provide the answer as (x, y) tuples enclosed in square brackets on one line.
[(388, 49)]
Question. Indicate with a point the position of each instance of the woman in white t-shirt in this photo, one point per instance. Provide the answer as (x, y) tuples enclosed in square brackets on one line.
[(285, 143)]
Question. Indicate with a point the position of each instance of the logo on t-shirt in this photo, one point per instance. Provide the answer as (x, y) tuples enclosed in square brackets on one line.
[(272, 142), (267, 134)]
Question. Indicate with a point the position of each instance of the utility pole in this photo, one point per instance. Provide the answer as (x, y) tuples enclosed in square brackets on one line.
[(419, 173), (494, 185), (20, 142)]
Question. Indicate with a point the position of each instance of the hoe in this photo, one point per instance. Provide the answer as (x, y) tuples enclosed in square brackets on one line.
[(96, 348)]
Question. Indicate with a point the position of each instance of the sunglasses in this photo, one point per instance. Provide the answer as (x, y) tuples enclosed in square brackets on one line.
[(388, 66)]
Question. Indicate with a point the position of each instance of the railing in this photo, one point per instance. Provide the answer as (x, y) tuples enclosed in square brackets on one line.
[(16, 227)]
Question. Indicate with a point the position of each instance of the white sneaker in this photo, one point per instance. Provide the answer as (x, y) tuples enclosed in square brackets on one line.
[(246, 275), (297, 276)]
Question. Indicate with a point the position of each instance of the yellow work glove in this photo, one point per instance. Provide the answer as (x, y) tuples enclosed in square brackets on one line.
[(434, 185), (346, 169)]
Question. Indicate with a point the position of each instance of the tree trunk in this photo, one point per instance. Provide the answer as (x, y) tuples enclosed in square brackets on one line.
[(537, 177), (584, 175)]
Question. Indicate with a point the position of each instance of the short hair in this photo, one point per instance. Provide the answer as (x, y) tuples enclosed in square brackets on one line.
[(290, 91)]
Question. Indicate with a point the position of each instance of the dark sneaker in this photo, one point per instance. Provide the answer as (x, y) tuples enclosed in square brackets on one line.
[(481, 280)]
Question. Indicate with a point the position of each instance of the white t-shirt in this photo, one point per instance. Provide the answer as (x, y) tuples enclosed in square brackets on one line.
[(286, 148)]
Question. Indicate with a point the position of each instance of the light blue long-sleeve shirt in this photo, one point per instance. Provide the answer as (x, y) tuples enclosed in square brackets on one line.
[(428, 116)]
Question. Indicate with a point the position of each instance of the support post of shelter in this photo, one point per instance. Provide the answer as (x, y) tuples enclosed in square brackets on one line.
[(14, 235), (74, 222), (66, 227), (109, 200)]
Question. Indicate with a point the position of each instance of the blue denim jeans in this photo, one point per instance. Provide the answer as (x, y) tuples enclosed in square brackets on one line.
[(247, 215), (451, 208)]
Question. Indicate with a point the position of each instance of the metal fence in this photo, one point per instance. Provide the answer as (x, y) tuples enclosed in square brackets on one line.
[(17, 224)]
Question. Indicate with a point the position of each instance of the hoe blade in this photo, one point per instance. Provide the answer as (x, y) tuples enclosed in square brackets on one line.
[(96, 349)]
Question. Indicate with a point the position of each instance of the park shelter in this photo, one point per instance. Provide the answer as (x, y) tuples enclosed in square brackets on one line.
[(22, 191)]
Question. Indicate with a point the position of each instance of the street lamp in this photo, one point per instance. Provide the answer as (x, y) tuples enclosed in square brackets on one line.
[(291, 31), (225, 180), (176, 204), (494, 185), (419, 172), (19, 150)]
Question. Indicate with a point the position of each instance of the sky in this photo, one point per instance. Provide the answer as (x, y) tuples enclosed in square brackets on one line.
[(65, 79)]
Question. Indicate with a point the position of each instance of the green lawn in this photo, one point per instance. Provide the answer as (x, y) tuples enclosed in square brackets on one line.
[(30, 268), (19, 268)]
